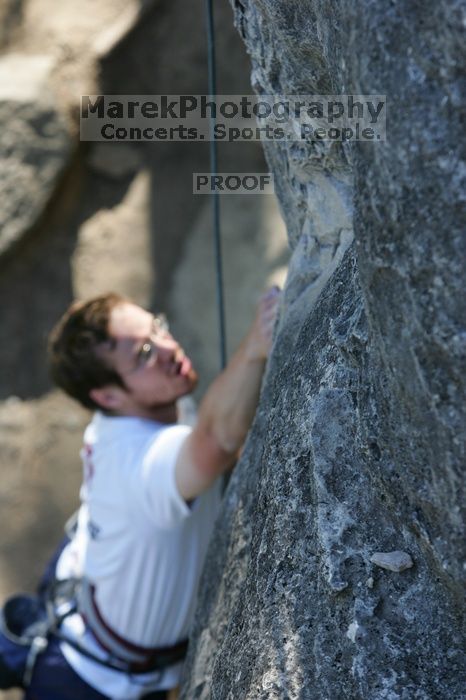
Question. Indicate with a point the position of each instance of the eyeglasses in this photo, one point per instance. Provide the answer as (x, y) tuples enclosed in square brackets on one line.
[(147, 353)]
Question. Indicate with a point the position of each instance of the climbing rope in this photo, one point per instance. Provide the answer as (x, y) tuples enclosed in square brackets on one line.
[(212, 87)]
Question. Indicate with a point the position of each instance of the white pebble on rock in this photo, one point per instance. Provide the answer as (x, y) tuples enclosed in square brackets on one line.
[(393, 561)]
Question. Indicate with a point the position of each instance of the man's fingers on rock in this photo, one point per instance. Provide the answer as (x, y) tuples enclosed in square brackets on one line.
[(269, 322), (271, 295), (269, 306), (268, 325), (270, 310)]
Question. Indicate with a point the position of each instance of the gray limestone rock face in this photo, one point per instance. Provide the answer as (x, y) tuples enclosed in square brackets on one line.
[(34, 144), (336, 569)]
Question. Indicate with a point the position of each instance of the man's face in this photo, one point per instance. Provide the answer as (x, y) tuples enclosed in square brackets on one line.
[(152, 364)]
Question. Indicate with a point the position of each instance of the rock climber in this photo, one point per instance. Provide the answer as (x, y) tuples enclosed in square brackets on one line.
[(149, 498)]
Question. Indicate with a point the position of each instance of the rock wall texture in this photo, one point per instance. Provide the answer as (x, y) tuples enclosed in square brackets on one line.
[(337, 569)]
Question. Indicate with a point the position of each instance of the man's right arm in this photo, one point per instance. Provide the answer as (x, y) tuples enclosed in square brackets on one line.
[(227, 410)]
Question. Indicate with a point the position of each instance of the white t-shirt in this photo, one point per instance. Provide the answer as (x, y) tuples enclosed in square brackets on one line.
[(138, 543)]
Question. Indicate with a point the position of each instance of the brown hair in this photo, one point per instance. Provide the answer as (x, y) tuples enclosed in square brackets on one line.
[(75, 366)]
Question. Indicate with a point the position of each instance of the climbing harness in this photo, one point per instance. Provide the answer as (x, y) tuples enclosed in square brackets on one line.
[(135, 658), (25, 627), (28, 622)]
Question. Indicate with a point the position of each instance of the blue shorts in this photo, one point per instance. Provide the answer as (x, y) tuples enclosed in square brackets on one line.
[(54, 679)]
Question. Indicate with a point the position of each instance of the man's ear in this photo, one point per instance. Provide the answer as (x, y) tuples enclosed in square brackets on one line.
[(109, 397)]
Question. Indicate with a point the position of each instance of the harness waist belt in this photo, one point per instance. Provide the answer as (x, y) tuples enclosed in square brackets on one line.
[(137, 659)]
